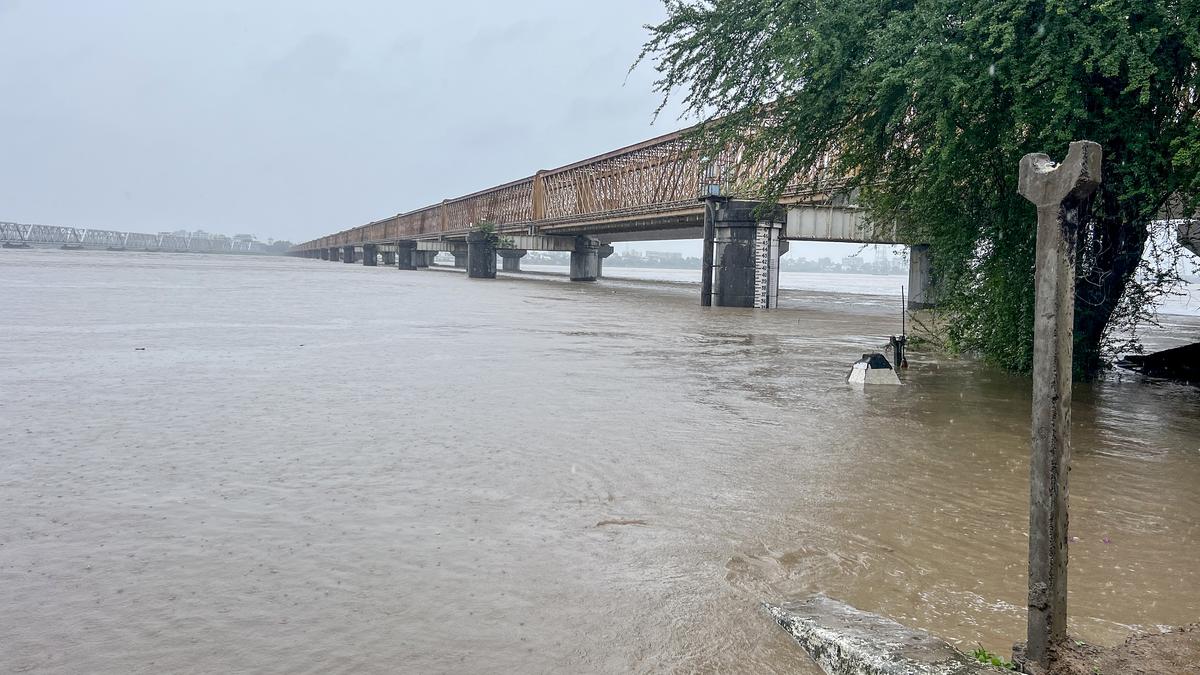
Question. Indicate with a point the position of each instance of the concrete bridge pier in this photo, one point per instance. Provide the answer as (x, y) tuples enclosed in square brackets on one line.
[(603, 252), (324, 254), (389, 258), (406, 255), (585, 259), (511, 259), (920, 281), (481, 256), (429, 256), (421, 259), (348, 254), (745, 253), (370, 255), (460, 259)]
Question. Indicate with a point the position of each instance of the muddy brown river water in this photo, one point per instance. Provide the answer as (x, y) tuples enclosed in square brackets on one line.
[(241, 464)]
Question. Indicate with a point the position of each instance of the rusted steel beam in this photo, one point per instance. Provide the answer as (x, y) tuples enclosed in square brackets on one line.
[(659, 176)]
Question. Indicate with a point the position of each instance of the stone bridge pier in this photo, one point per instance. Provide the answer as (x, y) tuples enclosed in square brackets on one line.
[(920, 286), (510, 259), (585, 259), (603, 252), (406, 255), (741, 253), (389, 257), (370, 255)]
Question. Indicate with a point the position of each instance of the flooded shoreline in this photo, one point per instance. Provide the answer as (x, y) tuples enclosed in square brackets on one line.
[(317, 467)]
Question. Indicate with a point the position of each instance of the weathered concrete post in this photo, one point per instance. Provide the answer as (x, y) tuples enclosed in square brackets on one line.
[(746, 252), (389, 257), (510, 259), (481, 256), (603, 252), (421, 259), (370, 255), (324, 254), (429, 257), (348, 254), (1062, 194), (335, 254), (460, 258), (406, 254), (920, 285), (585, 259)]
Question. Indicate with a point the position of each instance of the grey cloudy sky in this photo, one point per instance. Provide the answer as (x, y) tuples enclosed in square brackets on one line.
[(290, 119)]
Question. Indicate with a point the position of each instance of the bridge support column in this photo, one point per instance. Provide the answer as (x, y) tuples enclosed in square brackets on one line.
[(511, 259), (745, 253), (481, 256), (603, 252), (406, 255), (460, 259), (370, 255), (420, 259), (389, 258), (920, 286), (324, 254), (348, 254), (429, 257), (585, 259)]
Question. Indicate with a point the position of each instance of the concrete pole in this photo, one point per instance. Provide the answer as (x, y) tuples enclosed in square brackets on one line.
[(389, 258), (481, 256), (460, 259), (1062, 194), (348, 254), (370, 255), (406, 255), (585, 259), (920, 266)]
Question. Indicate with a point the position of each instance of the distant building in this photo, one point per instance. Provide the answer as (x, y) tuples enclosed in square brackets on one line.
[(664, 256)]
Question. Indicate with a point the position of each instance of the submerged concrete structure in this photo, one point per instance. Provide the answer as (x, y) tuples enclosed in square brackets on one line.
[(847, 641), (654, 190)]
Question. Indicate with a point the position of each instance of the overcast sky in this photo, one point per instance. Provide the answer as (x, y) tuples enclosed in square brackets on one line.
[(290, 119)]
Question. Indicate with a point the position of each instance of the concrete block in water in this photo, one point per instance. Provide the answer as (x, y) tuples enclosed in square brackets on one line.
[(872, 369), (848, 641)]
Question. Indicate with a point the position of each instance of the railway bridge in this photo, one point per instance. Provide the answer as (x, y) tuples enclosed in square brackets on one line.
[(23, 235), (655, 190)]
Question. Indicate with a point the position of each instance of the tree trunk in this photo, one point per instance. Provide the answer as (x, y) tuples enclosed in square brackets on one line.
[(1109, 253)]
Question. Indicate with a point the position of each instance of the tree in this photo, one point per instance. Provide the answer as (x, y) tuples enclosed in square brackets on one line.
[(928, 105)]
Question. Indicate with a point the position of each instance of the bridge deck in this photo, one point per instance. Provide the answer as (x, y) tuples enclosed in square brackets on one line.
[(650, 190)]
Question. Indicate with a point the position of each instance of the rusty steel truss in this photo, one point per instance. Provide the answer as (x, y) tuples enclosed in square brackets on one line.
[(23, 235), (653, 185)]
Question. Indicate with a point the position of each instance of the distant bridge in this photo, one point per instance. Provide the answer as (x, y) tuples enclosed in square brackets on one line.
[(18, 235), (657, 189)]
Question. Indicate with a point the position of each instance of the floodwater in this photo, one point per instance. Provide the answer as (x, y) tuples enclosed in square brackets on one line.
[(236, 464)]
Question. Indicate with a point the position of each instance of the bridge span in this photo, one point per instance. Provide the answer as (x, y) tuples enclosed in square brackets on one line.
[(21, 235), (655, 190)]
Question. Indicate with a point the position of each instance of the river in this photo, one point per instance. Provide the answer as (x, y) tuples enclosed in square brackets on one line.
[(244, 464)]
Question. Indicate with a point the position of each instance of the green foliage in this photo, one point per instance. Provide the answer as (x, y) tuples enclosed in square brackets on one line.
[(930, 104), (493, 237), (984, 656)]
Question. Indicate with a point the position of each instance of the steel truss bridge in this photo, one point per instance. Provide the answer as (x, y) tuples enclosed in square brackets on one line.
[(18, 235), (647, 191)]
